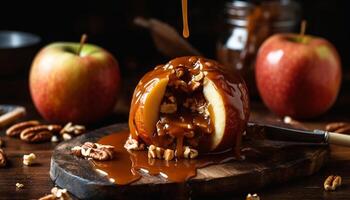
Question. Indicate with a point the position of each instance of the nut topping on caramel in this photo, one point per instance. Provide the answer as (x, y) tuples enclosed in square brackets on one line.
[(132, 144), (189, 105)]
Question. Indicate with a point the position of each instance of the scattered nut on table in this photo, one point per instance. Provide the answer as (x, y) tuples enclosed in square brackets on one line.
[(39, 133), (19, 185), (29, 159), (70, 130), (252, 197), (57, 194), (332, 183), (94, 150)]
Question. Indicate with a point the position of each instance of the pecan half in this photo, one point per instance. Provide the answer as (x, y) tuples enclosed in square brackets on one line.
[(332, 182), (15, 130), (2, 158), (40, 133), (1, 143), (94, 150)]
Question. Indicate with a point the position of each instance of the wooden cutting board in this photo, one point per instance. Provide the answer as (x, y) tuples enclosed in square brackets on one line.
[(276, 162)]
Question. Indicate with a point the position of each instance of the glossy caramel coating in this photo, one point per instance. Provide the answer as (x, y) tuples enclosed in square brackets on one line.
[(230, 86)]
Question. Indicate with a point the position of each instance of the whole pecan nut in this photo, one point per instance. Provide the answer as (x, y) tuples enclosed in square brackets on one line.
[(94, 150), (2, 158), (332, 182), (40, 133), (16, 129)]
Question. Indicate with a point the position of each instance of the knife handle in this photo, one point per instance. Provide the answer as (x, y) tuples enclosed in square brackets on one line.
[(338, 139)]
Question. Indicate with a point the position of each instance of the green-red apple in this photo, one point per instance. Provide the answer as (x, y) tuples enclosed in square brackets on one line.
[(69, 86), (298, 76)]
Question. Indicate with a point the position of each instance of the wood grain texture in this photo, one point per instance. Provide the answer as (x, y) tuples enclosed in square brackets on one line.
[(274, 162), (37, 181)]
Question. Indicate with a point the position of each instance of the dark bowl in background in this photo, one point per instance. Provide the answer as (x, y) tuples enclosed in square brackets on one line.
[(17, 50)]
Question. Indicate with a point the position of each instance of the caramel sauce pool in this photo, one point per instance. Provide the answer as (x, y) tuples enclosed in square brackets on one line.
[(128, 167), (185, 32)]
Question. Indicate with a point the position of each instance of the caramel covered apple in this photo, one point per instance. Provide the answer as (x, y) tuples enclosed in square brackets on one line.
[(189, 102)]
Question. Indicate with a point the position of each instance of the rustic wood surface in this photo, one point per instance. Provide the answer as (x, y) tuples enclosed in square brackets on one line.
[(37, 181), (276, 162)]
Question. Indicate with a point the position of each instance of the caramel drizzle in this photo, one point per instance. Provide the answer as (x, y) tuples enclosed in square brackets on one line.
[(185, 32)]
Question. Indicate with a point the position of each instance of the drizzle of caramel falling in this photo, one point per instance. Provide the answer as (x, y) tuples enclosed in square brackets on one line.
[(185, 32)]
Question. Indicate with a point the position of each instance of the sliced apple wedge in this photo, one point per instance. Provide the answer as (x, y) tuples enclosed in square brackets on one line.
[(147, 113), (224, 114)]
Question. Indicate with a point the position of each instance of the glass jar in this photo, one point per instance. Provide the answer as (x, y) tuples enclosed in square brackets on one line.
[(247, 25)]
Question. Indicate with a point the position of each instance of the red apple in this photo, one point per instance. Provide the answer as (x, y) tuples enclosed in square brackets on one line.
[(298, 76), (69, 86)]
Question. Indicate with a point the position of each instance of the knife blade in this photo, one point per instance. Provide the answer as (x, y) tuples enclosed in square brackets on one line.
[(274, 132)]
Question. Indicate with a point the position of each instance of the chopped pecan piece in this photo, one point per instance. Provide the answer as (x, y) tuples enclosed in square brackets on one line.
[(40, 133), (169, 154), (94, 150), (252, 197), (168, 108), (71, 129), (19, 185), (190, 153), (15, 130), (152, 151), (57, 194), (132, 144), (29, 159), (2, 158)]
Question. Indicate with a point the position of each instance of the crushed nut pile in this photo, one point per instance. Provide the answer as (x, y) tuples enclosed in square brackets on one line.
[(57, 194), (94, 150), (332, 183)]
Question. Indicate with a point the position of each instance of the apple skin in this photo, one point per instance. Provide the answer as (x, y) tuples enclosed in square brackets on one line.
[(66, 87), (297, 78)]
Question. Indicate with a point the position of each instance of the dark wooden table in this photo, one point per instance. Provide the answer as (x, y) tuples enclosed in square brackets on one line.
[(37, 182)]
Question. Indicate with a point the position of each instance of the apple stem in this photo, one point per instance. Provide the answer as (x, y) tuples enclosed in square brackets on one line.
[(302, 29), (82, 42)]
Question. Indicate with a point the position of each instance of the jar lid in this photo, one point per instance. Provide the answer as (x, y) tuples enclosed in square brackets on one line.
[(239, 10)]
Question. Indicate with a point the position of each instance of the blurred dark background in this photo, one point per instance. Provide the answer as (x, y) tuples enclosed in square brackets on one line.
[(110, 25)]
